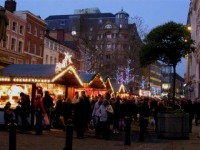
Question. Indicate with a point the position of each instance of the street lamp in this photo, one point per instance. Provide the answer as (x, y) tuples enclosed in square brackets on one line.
[(73, 33)]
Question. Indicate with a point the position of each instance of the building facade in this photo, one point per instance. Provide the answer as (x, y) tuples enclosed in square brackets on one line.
[(106, 42), (12, 48), (193, 60), (24, 43)]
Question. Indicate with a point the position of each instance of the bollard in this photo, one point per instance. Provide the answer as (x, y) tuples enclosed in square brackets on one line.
[(142, 129), (127, 140), (12, 135), (68, 135)]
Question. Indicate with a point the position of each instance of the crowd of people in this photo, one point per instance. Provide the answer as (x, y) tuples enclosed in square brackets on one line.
[(101, 113)]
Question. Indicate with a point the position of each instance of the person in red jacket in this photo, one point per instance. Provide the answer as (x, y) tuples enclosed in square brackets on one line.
[(39, 113)]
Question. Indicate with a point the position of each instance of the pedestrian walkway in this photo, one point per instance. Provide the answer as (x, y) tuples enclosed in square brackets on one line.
[(55, 140)]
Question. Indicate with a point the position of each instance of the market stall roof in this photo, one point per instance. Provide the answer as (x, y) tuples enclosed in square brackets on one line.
[(108, 83), (34, 73), (121, 88), (93, 80)]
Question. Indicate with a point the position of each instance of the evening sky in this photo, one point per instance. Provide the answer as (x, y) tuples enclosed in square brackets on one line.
[(152, 12)]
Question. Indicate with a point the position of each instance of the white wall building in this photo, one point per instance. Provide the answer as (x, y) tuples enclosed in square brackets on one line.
[(193, 59)]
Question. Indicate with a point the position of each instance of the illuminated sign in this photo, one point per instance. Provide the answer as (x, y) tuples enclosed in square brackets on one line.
[(65, 62)]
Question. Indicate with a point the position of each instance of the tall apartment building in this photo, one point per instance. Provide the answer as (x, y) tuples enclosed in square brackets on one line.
[(107, 42)]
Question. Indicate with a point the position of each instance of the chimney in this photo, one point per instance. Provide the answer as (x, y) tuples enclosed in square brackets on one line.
[(10, 5)]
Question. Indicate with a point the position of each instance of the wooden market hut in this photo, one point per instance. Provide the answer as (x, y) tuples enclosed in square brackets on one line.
[(28, 77), (93, 84), (119, 90), (108, 84)]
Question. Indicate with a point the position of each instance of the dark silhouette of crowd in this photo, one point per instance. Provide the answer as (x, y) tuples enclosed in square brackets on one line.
[(103, 113)]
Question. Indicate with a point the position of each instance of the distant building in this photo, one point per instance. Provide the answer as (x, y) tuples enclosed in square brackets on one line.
[(192, 76), (93, 10), (24, 43), (106, 41), (167, 82)]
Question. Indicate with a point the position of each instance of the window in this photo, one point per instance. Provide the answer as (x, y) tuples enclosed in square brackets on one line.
[(14, 26), (41, 34), (47, 43), (20, 46), (5, 43), (19, 61), (113, 45), (56, 47), (108, 56), (91, 28), (41, 50), (35, 31), (51, 60), (100, 20), (55, 60), (12, 60), (109, 36), (13, 44), (51, 45), (29, 28), (21, 29), (8, 26), (109, 46), (108, 26), (46, 59), (28, 45), (62, 22), (34, 48)]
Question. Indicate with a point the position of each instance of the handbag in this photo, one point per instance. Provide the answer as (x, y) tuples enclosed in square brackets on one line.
[(45, 121)]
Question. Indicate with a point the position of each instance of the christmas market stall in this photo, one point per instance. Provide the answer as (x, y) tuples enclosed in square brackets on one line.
[(33, 78), (109, 85), (93, 84), (120, 90)]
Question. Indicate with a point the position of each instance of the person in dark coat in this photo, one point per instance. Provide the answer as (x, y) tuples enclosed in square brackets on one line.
[(39, 113), (25, 110), (116, 116), (58, 113), (67, 111), (8, 113), (189, 108), (81, 115), (144, 112), (48, 106), (130, 110)]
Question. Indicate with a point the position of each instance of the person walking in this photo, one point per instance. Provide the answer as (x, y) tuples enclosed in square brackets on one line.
[(25, 110), (8, 114), (82, 115), (96, 116), (39, 114), (48, 106), (104, 109)]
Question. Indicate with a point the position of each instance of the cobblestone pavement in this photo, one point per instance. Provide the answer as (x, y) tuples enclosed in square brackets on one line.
[(55, 140)]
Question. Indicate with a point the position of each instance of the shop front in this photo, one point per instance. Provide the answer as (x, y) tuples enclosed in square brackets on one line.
[(33, 78)]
